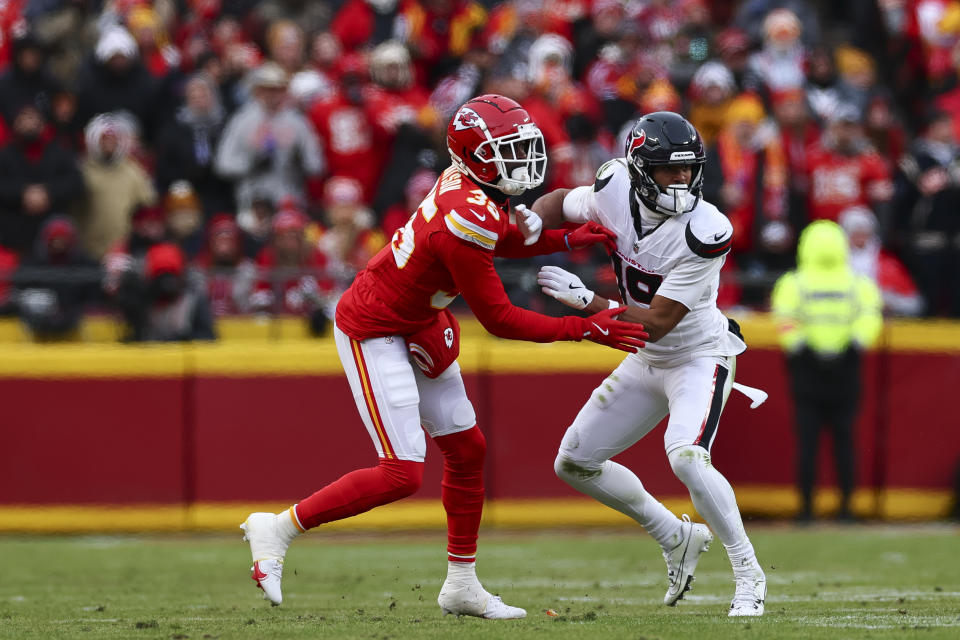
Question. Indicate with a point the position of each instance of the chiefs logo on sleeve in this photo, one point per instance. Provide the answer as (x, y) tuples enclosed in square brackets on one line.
[(467, 118)]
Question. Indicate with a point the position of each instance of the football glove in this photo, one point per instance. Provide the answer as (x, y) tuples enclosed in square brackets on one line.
[(591, 233), (532, 224), (604, 328), (564, 286)]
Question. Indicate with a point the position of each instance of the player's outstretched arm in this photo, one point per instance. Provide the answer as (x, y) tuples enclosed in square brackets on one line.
[(550, 208), (474, 274), (659, 320), (515, 244)]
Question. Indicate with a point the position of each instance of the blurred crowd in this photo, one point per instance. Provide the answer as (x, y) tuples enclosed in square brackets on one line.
[(173, 161)]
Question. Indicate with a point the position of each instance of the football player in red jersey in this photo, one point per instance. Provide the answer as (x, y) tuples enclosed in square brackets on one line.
[(394, 315)]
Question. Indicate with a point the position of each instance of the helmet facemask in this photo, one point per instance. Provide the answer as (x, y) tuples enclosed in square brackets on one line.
[(672, 199), (520, 159)]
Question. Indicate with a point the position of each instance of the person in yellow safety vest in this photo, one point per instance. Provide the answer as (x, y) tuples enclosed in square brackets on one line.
[(826, 316)]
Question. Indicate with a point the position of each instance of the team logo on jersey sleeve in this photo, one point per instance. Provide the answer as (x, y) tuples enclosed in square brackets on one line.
[(466, 118)]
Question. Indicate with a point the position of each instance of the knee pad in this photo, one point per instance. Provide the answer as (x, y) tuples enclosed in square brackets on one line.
[(572, 471), (405, 475), (464, 416), (688, 461), (444, 405), (465, 449)]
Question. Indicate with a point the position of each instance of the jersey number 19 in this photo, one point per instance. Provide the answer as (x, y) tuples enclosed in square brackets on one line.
[(639, 285)]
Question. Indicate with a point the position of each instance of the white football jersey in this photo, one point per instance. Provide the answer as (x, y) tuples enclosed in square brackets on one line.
[(678, 257)]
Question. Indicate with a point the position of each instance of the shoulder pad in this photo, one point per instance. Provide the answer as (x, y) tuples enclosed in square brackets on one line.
[(476, 227), (709, 232), (606, 171)]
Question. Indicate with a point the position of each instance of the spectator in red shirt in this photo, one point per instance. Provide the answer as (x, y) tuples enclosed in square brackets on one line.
[(556, 98), (844, 170), (799, 133), (405, 123), (350, 237), (437, 32), (346, 127), (229, 275), (166, 302), (158, 54), (292, 274), (360, 23), (869, 258), (8, 265)]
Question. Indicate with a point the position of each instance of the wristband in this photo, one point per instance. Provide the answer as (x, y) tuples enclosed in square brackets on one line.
[(613, 304), (566, 241)]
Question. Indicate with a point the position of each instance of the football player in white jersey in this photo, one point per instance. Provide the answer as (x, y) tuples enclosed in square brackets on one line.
[(670, 247)]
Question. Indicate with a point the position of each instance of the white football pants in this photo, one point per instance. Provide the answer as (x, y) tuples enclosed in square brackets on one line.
[(633, 399), (626, 406), (394, 398)]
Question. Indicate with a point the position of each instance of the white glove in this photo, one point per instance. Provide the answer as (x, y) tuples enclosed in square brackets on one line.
[(564, 286), (532, 226)]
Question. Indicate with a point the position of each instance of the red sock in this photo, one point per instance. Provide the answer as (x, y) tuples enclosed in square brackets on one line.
[(360, 491), (462, 492)]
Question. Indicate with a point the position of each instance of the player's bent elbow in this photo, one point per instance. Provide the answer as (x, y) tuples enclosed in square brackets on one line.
[(656, 332)]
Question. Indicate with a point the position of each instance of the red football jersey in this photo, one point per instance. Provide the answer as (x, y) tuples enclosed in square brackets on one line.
[(447, 249), (838, 182), (347, 132)]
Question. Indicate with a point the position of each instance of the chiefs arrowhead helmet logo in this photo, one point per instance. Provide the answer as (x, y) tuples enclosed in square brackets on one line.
[(466, 118), (638, 141)]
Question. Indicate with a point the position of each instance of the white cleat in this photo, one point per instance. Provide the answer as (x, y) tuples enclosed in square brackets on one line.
[(267, 549), (682, 559), (749, 596), (474, 600)]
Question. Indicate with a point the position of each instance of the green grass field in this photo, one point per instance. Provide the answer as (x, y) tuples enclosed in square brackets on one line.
[(824, 582)]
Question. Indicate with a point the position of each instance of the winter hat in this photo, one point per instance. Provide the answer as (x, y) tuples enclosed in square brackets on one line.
[(116, 41), (269, 75), (342, 190), (288, 220), (163, 258), (181, 195)]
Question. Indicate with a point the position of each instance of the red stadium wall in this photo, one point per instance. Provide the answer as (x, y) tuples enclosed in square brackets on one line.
[(271, 422)]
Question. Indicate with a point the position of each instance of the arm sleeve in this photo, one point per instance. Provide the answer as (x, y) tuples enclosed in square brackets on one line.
[(512, 244), (688, 281), (473, 272), (580, 205)]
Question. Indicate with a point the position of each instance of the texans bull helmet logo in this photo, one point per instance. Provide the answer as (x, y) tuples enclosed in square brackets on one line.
[(638, 141)]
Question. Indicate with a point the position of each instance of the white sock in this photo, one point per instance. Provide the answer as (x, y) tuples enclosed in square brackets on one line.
[(462, 572), (714, 499), (743, 558), (287, 526), (619, 488)]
